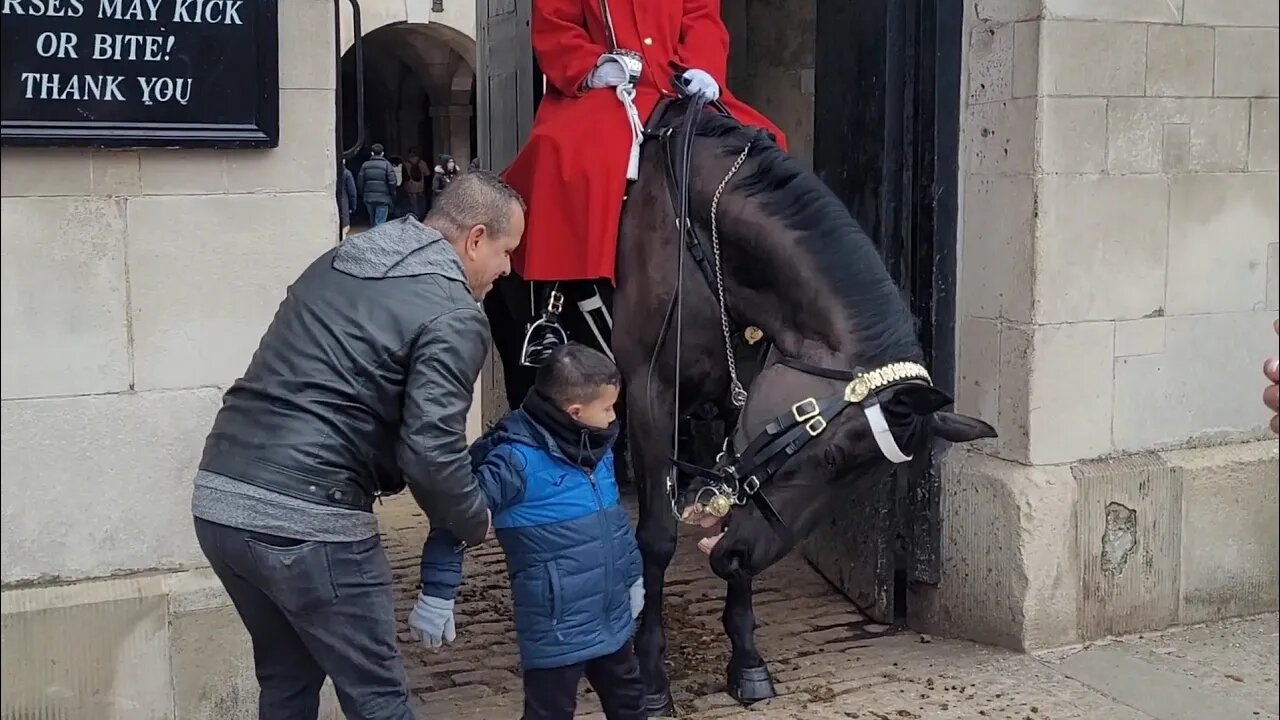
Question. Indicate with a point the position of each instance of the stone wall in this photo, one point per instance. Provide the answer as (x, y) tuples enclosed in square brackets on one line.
[(1118, 278), (136, 285)]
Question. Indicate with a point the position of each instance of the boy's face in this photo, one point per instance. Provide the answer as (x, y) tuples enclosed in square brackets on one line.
[(599, 412)]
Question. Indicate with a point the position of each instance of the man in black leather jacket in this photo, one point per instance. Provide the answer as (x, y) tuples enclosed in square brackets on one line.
[(360, 386)]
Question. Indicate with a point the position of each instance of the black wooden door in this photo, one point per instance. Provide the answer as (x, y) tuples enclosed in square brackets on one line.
[(505, 80), (886, 133)]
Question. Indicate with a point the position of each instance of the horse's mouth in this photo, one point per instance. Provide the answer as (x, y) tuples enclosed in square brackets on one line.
[(695, 515)]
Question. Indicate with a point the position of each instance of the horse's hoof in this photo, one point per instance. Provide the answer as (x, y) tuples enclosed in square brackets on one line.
[(659, 705), (750, 685)]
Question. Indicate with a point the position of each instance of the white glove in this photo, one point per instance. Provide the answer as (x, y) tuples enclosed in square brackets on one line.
[(607, 74), (700, 82), (637, 598), (431, 621)]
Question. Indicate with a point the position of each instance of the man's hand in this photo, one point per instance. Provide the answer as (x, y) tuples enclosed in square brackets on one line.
[(431, 621), (700, 82), (1271, 396)]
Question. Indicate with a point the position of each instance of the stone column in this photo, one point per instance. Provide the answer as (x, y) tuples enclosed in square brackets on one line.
[(452, 129), (1118, 278)]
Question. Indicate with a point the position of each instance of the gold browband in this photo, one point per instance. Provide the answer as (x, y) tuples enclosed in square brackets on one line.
[(868, 382)]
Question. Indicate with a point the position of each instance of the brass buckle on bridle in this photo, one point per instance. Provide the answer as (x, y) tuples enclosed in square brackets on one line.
[(808, 411)]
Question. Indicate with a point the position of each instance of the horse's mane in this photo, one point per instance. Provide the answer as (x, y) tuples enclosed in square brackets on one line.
[(842, 253)]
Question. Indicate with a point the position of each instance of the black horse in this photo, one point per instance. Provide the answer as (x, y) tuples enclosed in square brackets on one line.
[(837, 391)]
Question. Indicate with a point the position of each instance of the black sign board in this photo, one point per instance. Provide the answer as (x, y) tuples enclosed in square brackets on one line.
[(140, 73)]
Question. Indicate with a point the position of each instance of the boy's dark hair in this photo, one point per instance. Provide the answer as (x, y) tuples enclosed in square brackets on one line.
[(575, 374)]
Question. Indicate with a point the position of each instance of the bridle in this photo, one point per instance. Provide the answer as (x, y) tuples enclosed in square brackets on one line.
[(740, 474)]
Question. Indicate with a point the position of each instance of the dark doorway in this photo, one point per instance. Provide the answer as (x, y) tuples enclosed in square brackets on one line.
[(886, 137)]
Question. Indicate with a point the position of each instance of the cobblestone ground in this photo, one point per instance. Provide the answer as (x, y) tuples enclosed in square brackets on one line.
[(829, 663), (804, 627)]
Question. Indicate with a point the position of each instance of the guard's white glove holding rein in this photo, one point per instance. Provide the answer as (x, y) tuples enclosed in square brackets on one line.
[(431, 621), (700, 82)]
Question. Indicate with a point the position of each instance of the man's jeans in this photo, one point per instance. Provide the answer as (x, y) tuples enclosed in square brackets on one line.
[(313, 609), (378, 213)]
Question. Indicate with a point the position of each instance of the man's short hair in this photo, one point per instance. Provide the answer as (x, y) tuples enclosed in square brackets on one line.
[(377, 149), (575, 374), (478, 198)]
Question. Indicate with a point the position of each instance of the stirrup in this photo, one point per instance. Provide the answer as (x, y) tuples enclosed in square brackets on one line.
[(544, 335)]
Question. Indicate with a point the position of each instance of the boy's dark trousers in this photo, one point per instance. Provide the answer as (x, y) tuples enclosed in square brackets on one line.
[(552, 694)]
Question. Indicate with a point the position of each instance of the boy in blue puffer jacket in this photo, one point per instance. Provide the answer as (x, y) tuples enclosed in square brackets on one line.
[(547, 471)]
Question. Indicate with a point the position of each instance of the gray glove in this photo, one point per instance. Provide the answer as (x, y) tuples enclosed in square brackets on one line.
[(637, 598), (607, 74), (431, 621), (700, 82)]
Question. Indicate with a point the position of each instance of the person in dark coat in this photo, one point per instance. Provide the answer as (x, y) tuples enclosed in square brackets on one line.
[(445, 172), (377, 182), (359, 388), (574, 565), (346, 198)]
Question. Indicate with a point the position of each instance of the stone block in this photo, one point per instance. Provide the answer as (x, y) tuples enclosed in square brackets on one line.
[(1255, 13), (1187, 393), (978, 371), (1153, 11), (1264, 135), (999, 137), (1247, 62), (106, 660), (1218, 139), (27, 172), (305, 158), (1220, 227), (1017, 343), (1026, 59), (1230, 544), (1072, 136), (1129, 532), (1179, 61), (306, 43), (990, 62), (1000, 11), (997, 244), (1176, 147), (65, 322), (1070, 392), (1010, 567), (1101, 247), (132, 455), (1273, 276), (190, 172), (1140, 337), (1089, 58), (201, 298), (116, 172)]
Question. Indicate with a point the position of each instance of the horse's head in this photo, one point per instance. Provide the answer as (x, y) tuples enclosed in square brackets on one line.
[(845, 397), (800, 435)]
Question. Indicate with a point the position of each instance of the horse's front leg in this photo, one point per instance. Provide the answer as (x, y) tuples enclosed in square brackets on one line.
[(748, 675), (656, 535)]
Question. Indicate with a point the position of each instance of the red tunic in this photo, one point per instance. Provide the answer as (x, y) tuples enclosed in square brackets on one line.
[(572, 172)]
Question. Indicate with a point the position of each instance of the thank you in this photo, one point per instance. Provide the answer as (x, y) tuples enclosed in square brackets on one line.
[(140, 72)]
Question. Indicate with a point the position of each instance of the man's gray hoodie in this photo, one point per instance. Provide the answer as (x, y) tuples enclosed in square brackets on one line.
[(360, 386)]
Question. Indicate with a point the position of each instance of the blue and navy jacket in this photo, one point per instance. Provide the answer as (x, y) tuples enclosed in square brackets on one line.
[(571, 554)]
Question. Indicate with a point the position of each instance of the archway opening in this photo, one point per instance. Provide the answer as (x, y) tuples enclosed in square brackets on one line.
[(419, 99)]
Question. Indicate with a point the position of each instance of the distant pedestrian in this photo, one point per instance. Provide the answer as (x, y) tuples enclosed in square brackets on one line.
[(445, 171), (416, 176), (377, 182), (346, 198)]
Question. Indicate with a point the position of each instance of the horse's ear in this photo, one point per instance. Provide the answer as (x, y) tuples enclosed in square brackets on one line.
[(960, 428), (920, 399)]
